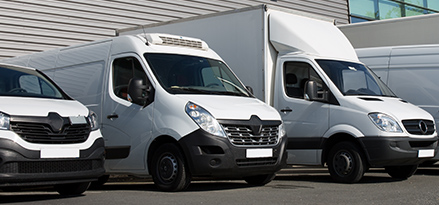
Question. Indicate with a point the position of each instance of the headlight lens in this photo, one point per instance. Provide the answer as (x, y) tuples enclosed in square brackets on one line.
[(93, 119), (385, 122), (282, 131), (204, 119), (4, 121)]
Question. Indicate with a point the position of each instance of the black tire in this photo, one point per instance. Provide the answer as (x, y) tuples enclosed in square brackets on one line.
[(401, 172), (260, 180), (100, 182), (168, 169), (345, 163), (72, 189)]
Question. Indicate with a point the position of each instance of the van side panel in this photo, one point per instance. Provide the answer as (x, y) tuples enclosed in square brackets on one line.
[(413, 76)]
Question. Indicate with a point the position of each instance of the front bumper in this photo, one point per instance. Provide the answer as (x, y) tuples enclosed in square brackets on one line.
[(22, 167), (209, 155), (397, 151)]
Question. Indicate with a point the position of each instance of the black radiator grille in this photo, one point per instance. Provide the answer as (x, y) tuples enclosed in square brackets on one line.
[(42, 133), (419, 127), (256, 161)]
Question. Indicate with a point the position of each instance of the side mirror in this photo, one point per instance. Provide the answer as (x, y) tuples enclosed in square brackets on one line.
[(138, 92), (311, 90)]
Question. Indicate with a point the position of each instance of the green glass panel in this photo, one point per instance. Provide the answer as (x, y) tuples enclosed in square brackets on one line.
[(416, 2), (433, 4), (364, 8), (389, 9), (412, 11)]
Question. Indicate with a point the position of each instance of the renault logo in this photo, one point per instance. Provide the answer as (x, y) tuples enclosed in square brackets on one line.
[(423, 127)]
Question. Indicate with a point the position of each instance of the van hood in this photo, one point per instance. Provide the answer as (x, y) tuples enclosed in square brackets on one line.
[(394, 107), (21, 106), (233, 107)]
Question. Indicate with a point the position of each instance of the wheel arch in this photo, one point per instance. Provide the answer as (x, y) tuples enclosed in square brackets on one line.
[(342, 137), (155, 144)]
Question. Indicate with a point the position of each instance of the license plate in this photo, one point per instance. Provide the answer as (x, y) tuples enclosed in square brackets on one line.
[(426, 153), (259, 153), (59, 153)]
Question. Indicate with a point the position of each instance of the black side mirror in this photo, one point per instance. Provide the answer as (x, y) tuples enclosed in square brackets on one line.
[(139, 93), (311, 90)]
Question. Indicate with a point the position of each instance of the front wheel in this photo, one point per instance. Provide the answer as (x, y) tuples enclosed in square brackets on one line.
[(260, 180), (169, 170), (345, 163), (72, 189), (401, 172)]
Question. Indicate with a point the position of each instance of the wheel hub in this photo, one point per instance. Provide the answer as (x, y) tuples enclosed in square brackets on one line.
[(343, 163), (168, 168)]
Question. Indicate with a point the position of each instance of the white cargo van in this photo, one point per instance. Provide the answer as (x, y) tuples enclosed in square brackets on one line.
[(46, 137), (169, 107), (336, 111), (410, 71)]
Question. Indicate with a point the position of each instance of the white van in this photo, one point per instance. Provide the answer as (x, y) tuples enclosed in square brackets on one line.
[(410, 71), (171, 108), (46, 137), (347, 119)]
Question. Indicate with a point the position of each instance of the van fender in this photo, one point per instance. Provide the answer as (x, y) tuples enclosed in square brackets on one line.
[(343, 128)]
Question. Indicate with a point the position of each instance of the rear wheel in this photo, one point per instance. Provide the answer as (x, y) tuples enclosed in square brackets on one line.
[(345, 163), (169, 170), (260, 180), (72, 189), (401, 172)]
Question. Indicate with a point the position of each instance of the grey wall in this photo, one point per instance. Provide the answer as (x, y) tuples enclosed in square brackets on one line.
[(28, 26)]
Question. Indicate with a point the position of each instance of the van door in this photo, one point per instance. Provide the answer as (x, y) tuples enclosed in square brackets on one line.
[(305, 121), (126, 126)]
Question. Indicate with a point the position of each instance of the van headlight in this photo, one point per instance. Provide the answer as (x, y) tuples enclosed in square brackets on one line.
[(282, 131), (204, 119), (4, 121), (385, 122), (93, 120)]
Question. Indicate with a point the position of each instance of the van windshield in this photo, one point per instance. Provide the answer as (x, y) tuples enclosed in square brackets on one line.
[(354, 78), (182, 74), (21, 82)]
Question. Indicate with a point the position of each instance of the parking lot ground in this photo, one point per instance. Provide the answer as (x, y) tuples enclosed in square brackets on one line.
[(294, 185)]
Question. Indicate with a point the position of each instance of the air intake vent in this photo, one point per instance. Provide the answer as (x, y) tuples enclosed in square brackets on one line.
[(172, 40)]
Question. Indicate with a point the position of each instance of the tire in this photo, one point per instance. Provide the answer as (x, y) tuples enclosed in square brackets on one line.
[(169, 170), (72, 189), (401, 172), (345, 163), (260, 180)]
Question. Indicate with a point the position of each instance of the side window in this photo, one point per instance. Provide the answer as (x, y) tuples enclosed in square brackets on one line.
[(296, 74), (123, 70)]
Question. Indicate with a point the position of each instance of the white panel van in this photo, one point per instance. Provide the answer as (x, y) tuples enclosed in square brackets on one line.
[(171, 108), (46, 137), (348, 119), (410, 71)]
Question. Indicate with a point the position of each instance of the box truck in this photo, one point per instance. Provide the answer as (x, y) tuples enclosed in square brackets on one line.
[(410, 71), (169, 107), (335, 110), (46, 137)]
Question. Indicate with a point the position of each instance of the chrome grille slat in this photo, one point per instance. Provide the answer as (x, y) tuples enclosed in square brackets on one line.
[(242, 135)]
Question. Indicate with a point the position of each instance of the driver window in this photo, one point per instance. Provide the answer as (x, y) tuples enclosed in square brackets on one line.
[(123, 70), (296, 74)]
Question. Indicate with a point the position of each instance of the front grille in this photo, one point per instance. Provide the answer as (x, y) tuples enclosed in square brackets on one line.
[(42, 133), (50, 166), (256, 161), (243, 135), (419, 127)]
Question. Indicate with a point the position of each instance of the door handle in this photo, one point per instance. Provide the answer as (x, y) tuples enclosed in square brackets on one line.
[(113, 116), (285, 110)]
